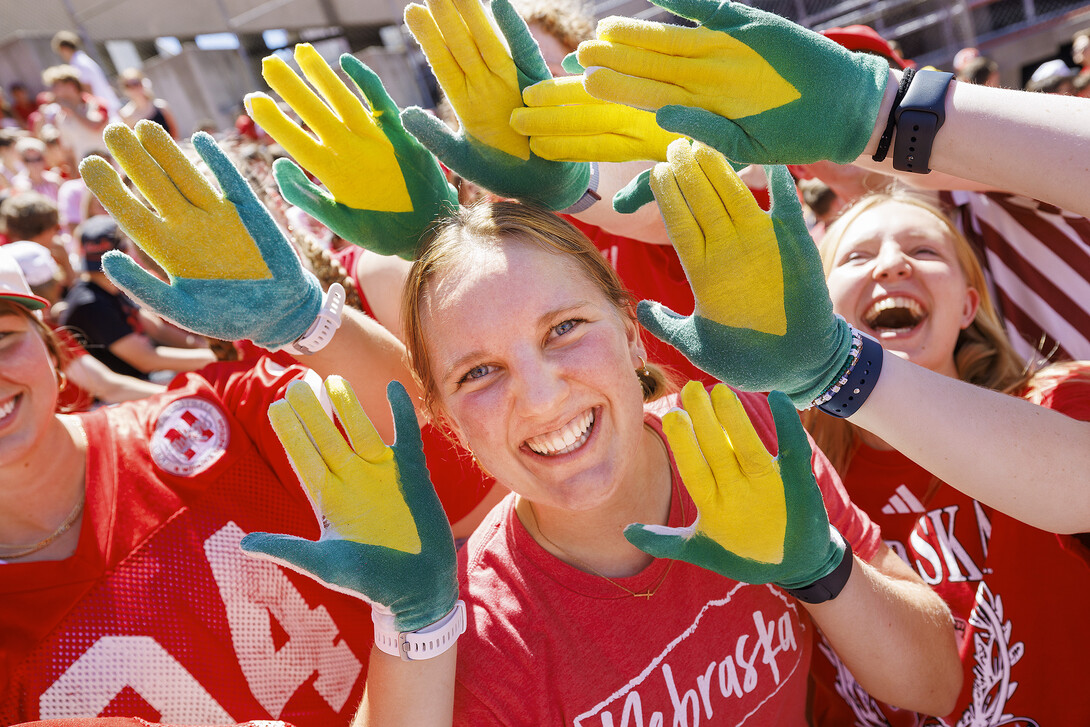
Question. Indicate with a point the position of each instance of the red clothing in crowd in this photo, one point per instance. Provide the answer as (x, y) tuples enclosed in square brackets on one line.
[(1018, 595)]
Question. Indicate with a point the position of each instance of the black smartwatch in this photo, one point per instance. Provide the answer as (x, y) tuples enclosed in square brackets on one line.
[(918, 117)]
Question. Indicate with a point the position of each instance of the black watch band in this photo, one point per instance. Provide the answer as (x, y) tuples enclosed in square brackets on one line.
[(829, 587), (918, 117)]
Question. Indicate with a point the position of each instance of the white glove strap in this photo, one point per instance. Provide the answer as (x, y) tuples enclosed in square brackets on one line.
[(425, 643), (324, 326)]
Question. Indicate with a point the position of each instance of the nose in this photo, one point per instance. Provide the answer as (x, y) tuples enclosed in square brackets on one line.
[(538, 386), (891, 263)]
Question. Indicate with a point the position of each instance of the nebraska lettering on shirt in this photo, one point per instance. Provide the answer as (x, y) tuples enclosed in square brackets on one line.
[(761, 660)]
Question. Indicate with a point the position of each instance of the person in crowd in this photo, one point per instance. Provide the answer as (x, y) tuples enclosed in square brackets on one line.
[(77, 115), (898, 269), (143, 103), (10, 163), (69, 47), (119, 528), (982, 71), (89, 381), (1053, 76), (33, 217), (22, 104), (112, 328), (36, 176)]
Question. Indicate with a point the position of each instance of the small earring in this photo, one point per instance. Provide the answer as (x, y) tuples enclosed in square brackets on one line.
[(62, 381)]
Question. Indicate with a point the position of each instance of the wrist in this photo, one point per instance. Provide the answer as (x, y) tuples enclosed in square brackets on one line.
[(892, 83), (834, 573), (424, 643), (321, 330)]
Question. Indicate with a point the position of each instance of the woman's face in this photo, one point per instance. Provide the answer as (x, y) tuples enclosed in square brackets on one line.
[(535, 368), (28, 387), (896, 276)]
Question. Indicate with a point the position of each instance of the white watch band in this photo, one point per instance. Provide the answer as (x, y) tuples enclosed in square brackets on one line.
[(324, 326), (425, 643)]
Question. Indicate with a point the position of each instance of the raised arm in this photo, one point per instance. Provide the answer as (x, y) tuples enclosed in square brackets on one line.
[(770, 325), (762, 519), (233, 274), (761, 89)]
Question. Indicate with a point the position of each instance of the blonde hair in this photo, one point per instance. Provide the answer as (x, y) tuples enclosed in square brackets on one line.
[(496, 223), (566, 20), (983, 355)]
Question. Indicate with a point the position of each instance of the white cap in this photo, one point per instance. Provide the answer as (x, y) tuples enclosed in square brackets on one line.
[(1055, 68), (13, 285), (36, 262)]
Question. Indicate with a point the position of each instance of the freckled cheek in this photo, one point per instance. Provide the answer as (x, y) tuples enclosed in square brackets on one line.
[(481, 419)]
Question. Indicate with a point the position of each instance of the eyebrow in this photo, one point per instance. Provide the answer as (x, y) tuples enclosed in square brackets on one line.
[(542, 321)]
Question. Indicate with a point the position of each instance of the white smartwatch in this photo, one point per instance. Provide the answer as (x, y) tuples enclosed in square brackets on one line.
[(425, 643), (324, 326)]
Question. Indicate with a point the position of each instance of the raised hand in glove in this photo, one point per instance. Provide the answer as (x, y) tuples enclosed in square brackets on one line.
[(385, 189), (565, 123), (763, 317), (755, 86), (760, 519), (233, 275), (484, 84), (384, 536)]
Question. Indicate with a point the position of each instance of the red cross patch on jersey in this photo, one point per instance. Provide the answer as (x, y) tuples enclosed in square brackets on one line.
[(190, 435)]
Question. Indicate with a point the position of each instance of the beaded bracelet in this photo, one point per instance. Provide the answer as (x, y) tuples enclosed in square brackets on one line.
[(891, 122), (856, 383)]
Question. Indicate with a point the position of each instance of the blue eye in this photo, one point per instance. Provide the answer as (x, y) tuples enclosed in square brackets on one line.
[(564, 327), (475, 373)]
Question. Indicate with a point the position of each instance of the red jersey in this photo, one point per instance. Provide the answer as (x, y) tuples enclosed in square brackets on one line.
[(159, 614), (1018, 596), (703, 649)]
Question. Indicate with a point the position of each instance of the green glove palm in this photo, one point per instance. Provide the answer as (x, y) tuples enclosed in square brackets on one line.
[(755, 86), (384, 536), (761, 519), (233, 275), (763, 319), (484, 84), (354, 148)]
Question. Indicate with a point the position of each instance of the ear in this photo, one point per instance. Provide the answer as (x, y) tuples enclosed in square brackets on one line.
[(972, 305), (636, 348)]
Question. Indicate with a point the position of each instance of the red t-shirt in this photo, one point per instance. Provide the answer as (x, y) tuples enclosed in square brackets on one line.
[(650, 272), (1019, 596), (548, 644), (159, 614)]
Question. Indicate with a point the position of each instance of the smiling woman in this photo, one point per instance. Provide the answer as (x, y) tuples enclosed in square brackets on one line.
[(900, 271)]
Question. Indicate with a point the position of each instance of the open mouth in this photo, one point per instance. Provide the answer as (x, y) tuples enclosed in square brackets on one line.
[(568, 438), (895, 314)]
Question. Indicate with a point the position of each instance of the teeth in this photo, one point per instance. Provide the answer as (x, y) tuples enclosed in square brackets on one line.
[(7, 408), (892, 303), (566, 439)]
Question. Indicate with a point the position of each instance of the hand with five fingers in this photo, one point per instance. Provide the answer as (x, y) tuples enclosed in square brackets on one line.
[(385, 189), (763, 319), (749, 83), (484, 83), (760, 519), (384, 536), (233, 275)]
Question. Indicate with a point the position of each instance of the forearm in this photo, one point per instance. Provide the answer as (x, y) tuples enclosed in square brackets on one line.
[(1024, 460), (369, 357), (410, 693), (896, 637), (106, 385), (1029, 144), (645, 225)]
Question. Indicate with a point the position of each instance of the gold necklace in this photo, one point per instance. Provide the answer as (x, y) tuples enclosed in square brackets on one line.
[(10, 552), (651, 590)]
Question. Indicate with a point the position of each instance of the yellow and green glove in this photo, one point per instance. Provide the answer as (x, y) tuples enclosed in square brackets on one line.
[(484, 84), (384, 537), (755, 86), (233, 275), (760, 519), (385, 189), (763, 319), (565, 123)]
